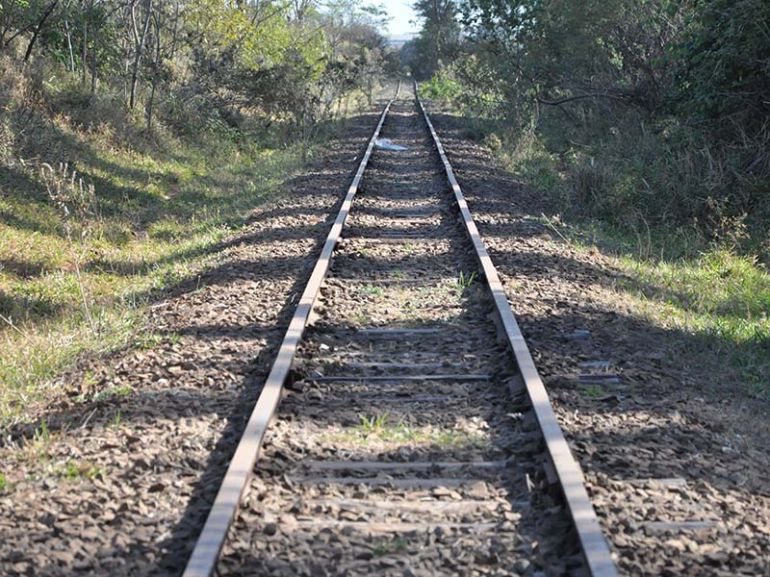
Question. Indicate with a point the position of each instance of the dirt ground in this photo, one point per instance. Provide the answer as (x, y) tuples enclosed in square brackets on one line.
[(675, 454)]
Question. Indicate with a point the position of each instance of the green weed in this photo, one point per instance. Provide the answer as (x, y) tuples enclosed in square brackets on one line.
[(42, 438), (373, 425), (593, 391), (116, 421), (464, 282), (371, 290), (361, 318), (387, 547), (150, 340), (113, 392), (73, 470)]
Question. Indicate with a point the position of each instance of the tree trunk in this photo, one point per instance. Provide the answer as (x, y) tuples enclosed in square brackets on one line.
[(155, 74), (139, 42), (93, 71), (84, 54), (38, 28), (69, 45), (175, 32)]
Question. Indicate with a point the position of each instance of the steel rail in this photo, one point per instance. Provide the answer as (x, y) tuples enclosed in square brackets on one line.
[(205, 555), (594, 546)]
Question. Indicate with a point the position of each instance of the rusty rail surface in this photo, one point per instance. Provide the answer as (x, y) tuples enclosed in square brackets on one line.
[(205, 555), (593, 544)]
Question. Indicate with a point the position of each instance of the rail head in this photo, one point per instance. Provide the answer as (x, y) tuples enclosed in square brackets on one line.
[(205, 555), (594, 546)]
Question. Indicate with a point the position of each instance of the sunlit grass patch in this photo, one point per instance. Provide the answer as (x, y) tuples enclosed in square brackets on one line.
[(715, 296), (73, 283), (719, 297), (719, 283), (38, 351), (382, 430)]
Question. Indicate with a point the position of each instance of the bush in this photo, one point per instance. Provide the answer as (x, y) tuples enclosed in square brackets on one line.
[(443, 86)]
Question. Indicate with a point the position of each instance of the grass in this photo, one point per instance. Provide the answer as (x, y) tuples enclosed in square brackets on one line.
[(374, 424), (117, 420), (716, 296), (74, 470), (79, 282), (371, 290), (41, 441), (397, 545), (719, 297), (464, 282), (380, 429), (113, 393), (714, 292), (592, 391)]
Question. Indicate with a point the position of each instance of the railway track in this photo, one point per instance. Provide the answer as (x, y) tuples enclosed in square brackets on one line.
[(413, 436)]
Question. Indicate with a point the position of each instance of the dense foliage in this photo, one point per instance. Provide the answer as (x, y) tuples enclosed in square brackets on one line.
[(438, 43), (642, 112), (286, 60), (135, 135)]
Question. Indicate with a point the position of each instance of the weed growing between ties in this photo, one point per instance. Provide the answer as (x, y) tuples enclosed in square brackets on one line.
[(408, 303), (381, 430), (593, 391), (389, 547), (464, 282)]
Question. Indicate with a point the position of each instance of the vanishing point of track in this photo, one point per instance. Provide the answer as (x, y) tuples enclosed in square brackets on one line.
[(414, 435)]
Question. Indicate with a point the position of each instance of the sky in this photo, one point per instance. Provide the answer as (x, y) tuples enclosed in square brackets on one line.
[(401, 13)]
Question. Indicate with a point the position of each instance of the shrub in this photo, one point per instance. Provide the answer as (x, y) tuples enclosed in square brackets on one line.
[(442, 86)]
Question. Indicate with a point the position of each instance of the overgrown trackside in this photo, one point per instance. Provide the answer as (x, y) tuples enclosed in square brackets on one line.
[(98, 218)]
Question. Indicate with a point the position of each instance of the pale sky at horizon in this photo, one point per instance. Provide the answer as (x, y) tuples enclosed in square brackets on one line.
[(401, 13)]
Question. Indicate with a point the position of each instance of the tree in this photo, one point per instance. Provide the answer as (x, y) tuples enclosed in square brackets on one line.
[(287, 60), (439, 38), (19, 17), (723, 62)]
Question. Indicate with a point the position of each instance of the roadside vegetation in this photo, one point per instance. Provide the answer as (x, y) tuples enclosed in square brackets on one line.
[(647, 124), (136, 135)]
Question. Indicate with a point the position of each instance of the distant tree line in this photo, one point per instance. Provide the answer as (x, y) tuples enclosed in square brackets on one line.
[(292, 60)]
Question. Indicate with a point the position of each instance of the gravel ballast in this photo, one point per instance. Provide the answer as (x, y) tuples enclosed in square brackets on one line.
[(120, 483), (675, 456)]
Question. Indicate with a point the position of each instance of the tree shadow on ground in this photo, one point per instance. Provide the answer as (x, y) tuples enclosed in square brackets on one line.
[(207, 367), (221, 350)]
